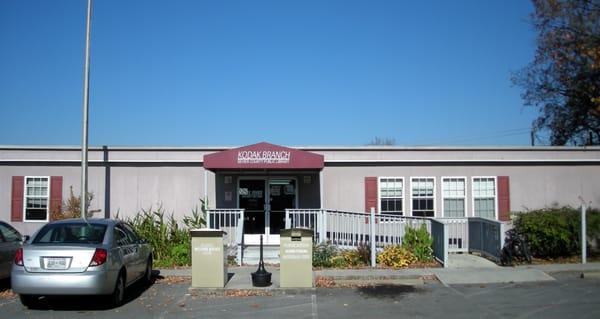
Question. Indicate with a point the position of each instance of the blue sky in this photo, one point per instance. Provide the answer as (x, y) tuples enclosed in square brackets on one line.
[(287, 72)]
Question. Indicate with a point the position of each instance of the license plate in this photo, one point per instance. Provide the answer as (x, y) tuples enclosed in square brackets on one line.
[(56, 263)]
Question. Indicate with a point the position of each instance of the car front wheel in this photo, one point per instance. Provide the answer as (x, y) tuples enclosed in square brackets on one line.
[(148, 274)]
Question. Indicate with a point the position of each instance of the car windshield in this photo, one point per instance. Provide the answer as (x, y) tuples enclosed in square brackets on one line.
[(71, 233)]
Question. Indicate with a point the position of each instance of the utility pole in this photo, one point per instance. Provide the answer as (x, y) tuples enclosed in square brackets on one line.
[(86, 102)]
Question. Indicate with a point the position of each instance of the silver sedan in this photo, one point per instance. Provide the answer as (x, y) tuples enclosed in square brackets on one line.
[(72, 257)]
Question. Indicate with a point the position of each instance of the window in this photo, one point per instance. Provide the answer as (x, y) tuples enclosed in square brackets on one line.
[(121, 237), (36, 198), (484, 197), (9, 234), (391, 195), (454, 191), (70, 233), (131, 233), (423, 196)]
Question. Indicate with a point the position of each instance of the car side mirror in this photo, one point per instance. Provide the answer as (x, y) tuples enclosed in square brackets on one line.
[(25, 239)]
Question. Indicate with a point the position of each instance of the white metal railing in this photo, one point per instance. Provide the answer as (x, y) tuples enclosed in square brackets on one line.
[(232, 222), (458, 233), (390, 229), (350, 229)]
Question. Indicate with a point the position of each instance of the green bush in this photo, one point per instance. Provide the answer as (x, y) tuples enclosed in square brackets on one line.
[(556, 232), (419, 242), (180, 254), (323, 253)]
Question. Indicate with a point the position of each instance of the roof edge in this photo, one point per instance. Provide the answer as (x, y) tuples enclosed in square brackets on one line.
[(302, 147)]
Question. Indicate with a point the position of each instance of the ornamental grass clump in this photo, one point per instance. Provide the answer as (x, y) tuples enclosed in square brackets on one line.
[(170, 241)]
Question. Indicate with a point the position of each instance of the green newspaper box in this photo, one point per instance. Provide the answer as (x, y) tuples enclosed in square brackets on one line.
[(296, 258), (209, 258)]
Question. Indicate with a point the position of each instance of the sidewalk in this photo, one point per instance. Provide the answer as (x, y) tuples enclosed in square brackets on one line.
[(447, 276)]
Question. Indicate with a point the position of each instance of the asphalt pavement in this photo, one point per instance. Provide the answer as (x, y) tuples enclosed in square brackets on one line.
[(566, 296), (496, 292)]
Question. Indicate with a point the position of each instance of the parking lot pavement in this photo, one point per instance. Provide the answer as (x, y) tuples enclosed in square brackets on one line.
[(567, 296)]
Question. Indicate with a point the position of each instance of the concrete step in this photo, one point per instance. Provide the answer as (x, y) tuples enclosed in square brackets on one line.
[(252, 254)]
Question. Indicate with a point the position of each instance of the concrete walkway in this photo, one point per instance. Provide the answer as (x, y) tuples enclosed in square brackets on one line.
[(476, 274)]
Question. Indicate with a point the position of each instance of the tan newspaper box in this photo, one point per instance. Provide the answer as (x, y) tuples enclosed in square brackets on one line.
[(209, 258), (296, 258)]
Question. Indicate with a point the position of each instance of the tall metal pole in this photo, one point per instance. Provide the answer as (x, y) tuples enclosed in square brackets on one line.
[(583, 231), (583, 235), (86, 102)]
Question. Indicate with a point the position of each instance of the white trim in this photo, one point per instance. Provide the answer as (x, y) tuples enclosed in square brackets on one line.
[(321, 190), (565, 160), (464, 178), (102, 161), (379, 178), (495, 178), (209, 148), (25, 200), (434, 194)]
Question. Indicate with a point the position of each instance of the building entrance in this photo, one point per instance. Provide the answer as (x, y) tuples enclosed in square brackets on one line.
[(265, 201)]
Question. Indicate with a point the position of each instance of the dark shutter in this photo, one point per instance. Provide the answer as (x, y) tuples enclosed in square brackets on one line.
[(16, 211), (55, 195), (370, 194), (503, 198)]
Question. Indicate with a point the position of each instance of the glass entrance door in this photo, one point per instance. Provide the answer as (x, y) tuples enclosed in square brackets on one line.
[(265, 201), (251, 195), (282, 195)]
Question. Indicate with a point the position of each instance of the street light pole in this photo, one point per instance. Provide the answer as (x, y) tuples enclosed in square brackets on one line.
[(86, 102)]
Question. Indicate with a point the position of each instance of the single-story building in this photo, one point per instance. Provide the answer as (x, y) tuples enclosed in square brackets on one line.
[(265, 179)]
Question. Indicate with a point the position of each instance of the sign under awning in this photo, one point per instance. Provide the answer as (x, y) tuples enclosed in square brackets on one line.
[(264, 156)]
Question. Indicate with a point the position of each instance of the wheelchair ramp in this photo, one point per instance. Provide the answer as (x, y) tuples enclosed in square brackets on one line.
[(469, 261)]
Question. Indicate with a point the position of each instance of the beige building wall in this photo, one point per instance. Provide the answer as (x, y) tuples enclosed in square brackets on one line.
[(531, 187), (144, 177)]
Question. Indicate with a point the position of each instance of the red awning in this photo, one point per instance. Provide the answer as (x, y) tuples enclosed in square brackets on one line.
[(263, 156)]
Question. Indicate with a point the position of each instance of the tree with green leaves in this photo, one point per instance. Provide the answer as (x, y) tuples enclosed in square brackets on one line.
[(563, 80)]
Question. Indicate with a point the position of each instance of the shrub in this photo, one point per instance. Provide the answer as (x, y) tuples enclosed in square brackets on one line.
[(419, 242), (180, 254), (364, 253), (352, 258), (326, 255), (396, 256), (72, 207), (323, 254), (556, 232)]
